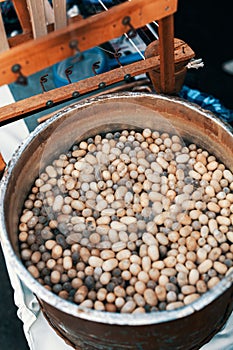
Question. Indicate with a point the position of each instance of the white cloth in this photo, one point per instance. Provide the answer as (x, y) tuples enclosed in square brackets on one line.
[(11, 135), (34, 323), (37, 331)]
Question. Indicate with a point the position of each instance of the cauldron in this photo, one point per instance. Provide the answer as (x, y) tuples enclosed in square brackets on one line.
[(186, 328)]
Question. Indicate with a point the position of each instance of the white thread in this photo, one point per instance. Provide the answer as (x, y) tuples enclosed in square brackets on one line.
[(195, 63), (152, 30), (125, 34)]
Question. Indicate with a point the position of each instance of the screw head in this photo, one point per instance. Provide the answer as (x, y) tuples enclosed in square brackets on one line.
[(73, 44), (126, 20), (49, 103), (102, 85), (127, 78), (75, 94), (16, 68)]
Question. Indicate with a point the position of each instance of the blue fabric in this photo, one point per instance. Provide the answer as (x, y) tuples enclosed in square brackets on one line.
[(207, 102)]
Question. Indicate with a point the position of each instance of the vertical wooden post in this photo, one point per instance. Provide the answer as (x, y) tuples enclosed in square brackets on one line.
[(23, 15), (49, 12), (37, 15), (59, 7), (166, 51), (4, 45)]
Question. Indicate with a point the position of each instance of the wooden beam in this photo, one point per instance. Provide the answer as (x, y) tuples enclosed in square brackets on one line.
[(32, 104), (24, 37), (21, 10), (49, 12), (43, 52), (59, 7), (4, 45), (19, 39), (166, 51), (37, 15), (19, 109)]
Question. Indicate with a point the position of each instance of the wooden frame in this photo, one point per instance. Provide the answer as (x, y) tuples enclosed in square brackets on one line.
[(4, 45), (44, 51), (23, 108), (45, 40)]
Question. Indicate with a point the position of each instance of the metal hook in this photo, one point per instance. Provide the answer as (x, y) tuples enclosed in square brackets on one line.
[(68, 72), (95, 66), (21, 79), (127, 22), (43, 80), (73, 44), (195, 63), (102, 85), (117, 55)]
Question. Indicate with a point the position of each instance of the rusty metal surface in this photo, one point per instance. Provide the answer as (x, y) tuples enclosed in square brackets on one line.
[(187, 333), (186, 328)]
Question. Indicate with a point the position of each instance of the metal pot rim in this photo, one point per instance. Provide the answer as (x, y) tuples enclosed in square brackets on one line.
[(69, 307)]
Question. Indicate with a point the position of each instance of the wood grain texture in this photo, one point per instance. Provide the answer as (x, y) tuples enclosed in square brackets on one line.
[(21, 10), (43, 52), (3, 38), (182, 55), (182, 52), (19, 109), (139, 85), (59, 7), (49, 12), (166, 51), (37, 15)]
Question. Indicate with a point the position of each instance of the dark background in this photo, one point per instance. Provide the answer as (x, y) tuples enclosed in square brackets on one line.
[(207, 27)]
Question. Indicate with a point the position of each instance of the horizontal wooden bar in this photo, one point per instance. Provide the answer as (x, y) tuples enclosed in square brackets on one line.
[(141, 83), (40, 53), (23, 107), (183, 53), (27, 35)]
